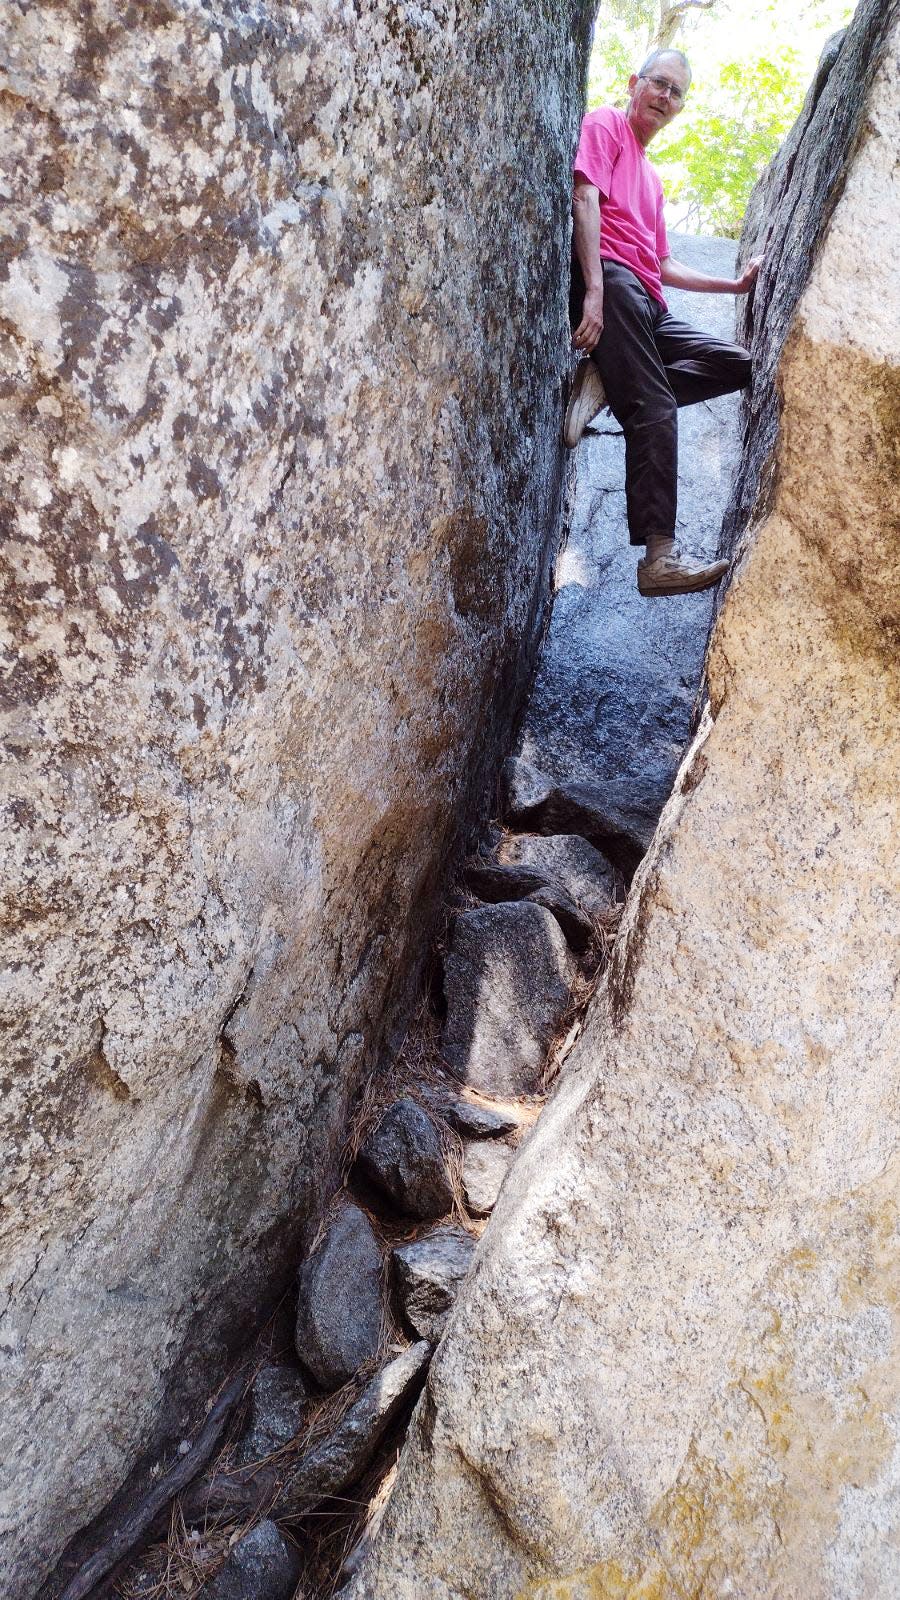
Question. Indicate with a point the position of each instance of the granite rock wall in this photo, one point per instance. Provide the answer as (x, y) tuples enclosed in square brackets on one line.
[(676, 1367), (282, 306)]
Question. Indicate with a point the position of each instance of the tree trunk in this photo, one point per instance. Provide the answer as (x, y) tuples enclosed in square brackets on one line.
[(671, 15)]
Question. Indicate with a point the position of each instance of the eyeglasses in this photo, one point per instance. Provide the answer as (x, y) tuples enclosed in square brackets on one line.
[(664, 86)]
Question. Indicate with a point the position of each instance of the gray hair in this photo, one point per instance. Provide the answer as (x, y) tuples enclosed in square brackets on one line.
[(655, 56)]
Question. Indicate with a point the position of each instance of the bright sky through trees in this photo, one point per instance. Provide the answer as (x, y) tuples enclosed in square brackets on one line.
[(752, 61)]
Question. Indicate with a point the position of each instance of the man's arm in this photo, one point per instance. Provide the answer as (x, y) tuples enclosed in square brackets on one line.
[(676, 276), (586, 233)]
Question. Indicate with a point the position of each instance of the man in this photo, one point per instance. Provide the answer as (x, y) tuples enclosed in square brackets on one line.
[(642, 363)]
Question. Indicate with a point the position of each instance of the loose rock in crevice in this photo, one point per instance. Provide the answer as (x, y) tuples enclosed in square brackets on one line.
[(508, 979), (480, 1121), (404, 1158), (575, 923), (290, 1487), (339, 1309), (614, 816), (428, 1272), (498, 884), (263, 1565), (279, 1402), (569, 860), (484, 1168)]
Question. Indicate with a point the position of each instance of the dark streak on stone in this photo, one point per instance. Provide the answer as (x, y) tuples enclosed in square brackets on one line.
[(202, 480)]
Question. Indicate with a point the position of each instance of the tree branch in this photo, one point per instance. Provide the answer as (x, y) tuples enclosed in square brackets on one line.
[(130, 1531), (671, 17)]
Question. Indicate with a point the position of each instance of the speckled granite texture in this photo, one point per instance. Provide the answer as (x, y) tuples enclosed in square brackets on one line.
[(282, 308)]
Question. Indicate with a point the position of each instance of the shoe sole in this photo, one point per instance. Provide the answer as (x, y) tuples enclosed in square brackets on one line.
[(688, 586), (579, 412)]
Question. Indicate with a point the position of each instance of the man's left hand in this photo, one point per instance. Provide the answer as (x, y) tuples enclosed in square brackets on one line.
[(749, 275)]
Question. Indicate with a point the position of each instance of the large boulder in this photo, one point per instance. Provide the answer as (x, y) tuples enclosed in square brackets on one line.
[(677, 1368), (281, 481)]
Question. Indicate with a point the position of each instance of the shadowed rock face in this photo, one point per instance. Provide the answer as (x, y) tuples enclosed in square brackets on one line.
[(283, 315), (615, 687), (676, 1368)]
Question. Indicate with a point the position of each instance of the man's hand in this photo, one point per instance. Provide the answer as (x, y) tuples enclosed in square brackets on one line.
[(591, 325), (749, 275), (586, 238)]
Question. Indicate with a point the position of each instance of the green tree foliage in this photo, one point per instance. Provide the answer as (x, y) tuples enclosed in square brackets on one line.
[(620, 38), (752, 61), (726, 136)]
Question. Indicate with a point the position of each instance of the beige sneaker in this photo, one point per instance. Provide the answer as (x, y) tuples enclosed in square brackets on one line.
[(585, 400), (671, 575)]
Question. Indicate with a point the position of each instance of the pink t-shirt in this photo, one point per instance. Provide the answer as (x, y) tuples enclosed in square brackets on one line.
[(632, 229)]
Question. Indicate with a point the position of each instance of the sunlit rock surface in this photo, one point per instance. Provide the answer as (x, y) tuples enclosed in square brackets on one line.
[(282, 304), (676, 1370)]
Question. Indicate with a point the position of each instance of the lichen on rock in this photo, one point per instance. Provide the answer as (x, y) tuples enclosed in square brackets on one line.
[(284, 333)]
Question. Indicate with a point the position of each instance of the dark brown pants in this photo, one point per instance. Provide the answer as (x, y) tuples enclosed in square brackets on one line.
[(650, 365)]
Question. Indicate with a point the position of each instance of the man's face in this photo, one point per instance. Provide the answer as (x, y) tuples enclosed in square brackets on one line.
[(652, 107)]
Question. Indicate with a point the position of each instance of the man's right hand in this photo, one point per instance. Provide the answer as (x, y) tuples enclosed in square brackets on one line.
[(591, 325)]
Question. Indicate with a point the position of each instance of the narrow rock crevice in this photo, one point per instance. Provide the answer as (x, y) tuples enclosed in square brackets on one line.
[(676, 1364), (530, 930), (608, 1224)]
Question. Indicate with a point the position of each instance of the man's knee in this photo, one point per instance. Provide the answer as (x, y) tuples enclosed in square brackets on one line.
[(743, 366), (654, 408), (648, 422)]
